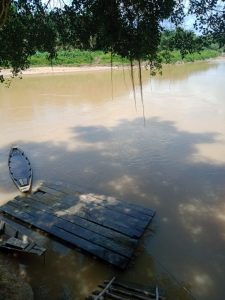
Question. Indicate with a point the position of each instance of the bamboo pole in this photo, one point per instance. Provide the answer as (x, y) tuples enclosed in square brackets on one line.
[(131, 295), (131, 289), (105, 289)]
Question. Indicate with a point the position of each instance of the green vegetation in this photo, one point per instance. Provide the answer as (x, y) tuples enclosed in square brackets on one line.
[(175, 46), (128, 29), (204, 54), (81, 58), (175, 56), (76, 58)]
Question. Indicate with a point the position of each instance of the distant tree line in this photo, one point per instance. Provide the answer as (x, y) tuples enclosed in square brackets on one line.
[(186, 42), (129, 28)]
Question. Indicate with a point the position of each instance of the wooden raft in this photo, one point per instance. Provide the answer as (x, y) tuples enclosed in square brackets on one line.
[(114, 289), (103, 226)]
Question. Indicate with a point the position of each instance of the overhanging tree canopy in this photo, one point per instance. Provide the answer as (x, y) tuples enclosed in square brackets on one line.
[(210, 17), (130, 28)]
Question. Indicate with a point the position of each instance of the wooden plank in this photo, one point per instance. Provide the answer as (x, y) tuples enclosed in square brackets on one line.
[(110, 211), (127, 294), (22, 230), (127, 244), (30, 246), (134, 290), (117, 210), (113, 296), (90, 208), (16, 243), (69, 225), (125, 206), (104, 219), (103, 226), (106, 232), (2, 226), (76, 190), (44, 223), (49, 224), (105, 289), (11, 231), (52, 191), (113, 204), (157, 293), (76, 210)]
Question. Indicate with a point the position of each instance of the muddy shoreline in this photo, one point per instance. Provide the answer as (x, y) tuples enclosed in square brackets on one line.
[(70, 69)]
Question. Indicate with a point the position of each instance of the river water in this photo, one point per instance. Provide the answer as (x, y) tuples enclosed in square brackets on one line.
[(82, 128)]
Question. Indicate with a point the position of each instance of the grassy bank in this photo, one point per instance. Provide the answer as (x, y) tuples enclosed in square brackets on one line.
[(76, 58), (81, 58), (175, 56)]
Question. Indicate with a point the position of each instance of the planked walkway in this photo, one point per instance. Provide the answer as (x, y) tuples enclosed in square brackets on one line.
[(103, 226), (115, 289)]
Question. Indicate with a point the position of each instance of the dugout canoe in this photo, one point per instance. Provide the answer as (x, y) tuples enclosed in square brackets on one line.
[(20, 169)]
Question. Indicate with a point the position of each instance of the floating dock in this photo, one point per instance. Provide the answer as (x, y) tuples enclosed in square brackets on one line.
[(117, 290), (102, 226)]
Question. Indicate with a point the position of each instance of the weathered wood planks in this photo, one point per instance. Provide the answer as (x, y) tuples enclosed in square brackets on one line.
[(137, 217), (108, 201), (53, 226), (71, 224), (100, 225), (125, 291)]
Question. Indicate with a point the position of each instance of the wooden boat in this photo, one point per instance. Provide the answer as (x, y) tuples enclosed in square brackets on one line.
[(20, 169), (13, 240)]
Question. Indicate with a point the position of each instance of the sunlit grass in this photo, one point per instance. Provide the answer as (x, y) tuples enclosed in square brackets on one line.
[(76, 58), (81, 58), (175, 56)]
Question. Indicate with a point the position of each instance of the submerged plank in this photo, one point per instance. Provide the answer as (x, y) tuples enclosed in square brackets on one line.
[(92, 226), (137, 291), (101, 216), (52, 225), (105, 289), (129, 209), (101, 225), (67, 223), (16, 243), (100, 210), (116, 290), (124, 206)]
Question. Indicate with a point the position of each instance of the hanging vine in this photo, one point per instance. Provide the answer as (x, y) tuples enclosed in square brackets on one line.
[(4, 8)]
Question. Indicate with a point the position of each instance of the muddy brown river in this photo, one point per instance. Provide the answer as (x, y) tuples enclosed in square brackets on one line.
[(81, 128)]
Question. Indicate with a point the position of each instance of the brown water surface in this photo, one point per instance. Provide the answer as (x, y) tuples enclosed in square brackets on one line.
[(79, 128)]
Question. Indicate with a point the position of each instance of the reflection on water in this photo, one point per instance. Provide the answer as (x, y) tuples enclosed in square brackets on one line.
[(73, 131)]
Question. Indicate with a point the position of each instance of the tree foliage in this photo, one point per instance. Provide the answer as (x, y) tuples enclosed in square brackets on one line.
[(129, 28), (186, 41), (26, 30), (210, 18)]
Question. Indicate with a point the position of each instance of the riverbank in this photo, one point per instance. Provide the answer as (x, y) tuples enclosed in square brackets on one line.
[(77, 58), (46, 70)]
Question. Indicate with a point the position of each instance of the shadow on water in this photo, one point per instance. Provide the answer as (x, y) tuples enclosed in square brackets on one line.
[(153, 166)]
